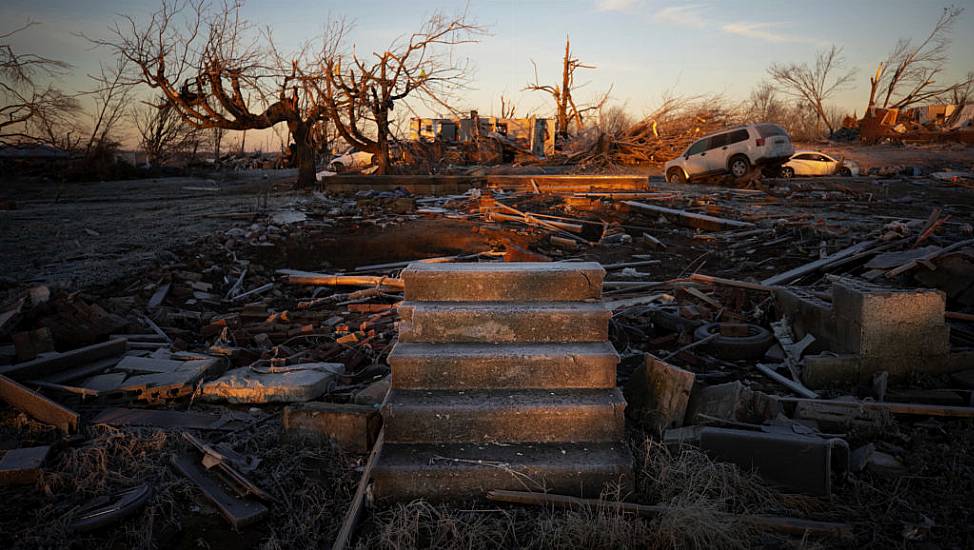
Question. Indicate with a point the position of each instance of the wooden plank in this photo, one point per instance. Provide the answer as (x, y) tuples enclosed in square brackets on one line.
[(239, 512), (84, 371), (792, 274), (117, 416), (691, 219), (36, 405), (707, 279), (918, 409), (44, 366), (354, 512), (770, 523)]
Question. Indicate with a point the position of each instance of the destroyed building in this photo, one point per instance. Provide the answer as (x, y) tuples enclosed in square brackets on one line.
[(534, 134)]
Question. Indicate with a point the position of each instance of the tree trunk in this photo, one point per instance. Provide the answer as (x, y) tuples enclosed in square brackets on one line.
[(565, 84), (382, 142), (305, 154)]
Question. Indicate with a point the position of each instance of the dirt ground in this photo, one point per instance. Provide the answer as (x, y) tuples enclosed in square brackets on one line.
[(76, 235)]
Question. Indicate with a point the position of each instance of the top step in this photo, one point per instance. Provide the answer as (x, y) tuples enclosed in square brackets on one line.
[(504, 282)]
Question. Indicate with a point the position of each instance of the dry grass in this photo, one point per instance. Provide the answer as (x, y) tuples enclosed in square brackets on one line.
[(705, 498)]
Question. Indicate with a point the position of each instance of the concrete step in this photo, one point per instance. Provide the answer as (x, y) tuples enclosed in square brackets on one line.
[(503, 282), (502, 322), (455, 472), (503, 366), (504, 416)]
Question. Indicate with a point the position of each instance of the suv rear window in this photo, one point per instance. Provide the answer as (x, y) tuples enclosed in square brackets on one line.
[(738, 136), (768, 130)]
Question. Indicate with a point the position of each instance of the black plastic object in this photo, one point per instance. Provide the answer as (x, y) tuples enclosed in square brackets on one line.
[(108, 509)]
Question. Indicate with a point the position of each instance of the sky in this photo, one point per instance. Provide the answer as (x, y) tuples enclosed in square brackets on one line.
[(644, 49)]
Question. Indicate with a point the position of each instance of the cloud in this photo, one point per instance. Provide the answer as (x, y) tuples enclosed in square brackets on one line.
[(684, 16), (763, 31), (614, 5)]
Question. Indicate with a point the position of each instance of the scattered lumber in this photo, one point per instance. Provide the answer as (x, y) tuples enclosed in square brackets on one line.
[(915, 409), (36, 405), (295, 277), (691, 219), (50, 364), (823, 263)]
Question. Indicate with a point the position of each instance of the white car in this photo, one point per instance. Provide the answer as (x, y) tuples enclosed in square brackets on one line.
[(731, 152), (814, 163), (352, 160)]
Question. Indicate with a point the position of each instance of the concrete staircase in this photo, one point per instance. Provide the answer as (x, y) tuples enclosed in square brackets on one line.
[(503, 378)]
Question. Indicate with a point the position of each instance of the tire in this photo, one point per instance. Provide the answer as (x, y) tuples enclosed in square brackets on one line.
[(738, 166), (844, 172), (676, 175), (337, 167), (736, 348), (787, 172)]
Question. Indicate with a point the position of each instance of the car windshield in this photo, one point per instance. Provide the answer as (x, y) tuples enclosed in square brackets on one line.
[(768, 130), (697, 147)]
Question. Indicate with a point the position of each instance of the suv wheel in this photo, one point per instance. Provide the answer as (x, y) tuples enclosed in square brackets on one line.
[(739, 166), (787, 172), (676, 176)]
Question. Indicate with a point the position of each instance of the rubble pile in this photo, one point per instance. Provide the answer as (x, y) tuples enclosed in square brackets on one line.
[(817, 333)]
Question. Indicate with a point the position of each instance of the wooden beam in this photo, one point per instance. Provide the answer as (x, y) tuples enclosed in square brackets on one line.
[(691, 219), (707, 279), (44, 366), (794, 526), (918, 409), (36, 405), (792, 274)]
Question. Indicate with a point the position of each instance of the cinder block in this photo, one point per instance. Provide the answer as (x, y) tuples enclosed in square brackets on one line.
[(809, 314), (892, 339), (353, 428), (503, 282), (868, 305), (829, 370)]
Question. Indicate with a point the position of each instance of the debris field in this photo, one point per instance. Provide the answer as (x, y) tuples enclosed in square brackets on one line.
[(520, 362)]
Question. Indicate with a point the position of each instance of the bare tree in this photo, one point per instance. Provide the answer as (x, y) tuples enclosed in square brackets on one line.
[(816, 84), (764, 105), (909, 74), (111, 99), (162, 132), (217, 71), (566, 110), (360, 92), (30, 111)]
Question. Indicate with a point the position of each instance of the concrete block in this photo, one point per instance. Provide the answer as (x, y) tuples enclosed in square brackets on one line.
[(374, 393), (809, 314), (452, 472), (353, 428), (892, 339), (657, 393), (292, 383), (718, 401), (22, 466), (499, 322), (830, 370), (513, 416), (503, 282), (503, 366), (869, 305)]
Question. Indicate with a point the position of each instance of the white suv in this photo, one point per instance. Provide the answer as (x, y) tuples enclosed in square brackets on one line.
[(731, 151)]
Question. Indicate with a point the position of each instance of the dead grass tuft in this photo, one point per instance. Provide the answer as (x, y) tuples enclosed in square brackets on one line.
[(704, 499)]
